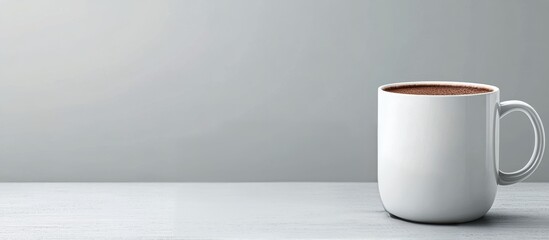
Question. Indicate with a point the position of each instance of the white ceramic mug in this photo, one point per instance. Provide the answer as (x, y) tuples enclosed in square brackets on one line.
[(438, 155)]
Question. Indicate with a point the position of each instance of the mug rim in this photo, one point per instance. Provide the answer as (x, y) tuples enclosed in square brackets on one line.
[(493, 89)]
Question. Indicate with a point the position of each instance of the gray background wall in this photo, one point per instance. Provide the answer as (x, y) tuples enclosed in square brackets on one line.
[(244, 90)]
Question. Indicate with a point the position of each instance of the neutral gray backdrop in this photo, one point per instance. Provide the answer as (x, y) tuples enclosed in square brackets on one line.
[(244, 90)]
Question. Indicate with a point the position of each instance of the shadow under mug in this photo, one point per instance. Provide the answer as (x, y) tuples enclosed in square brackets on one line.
[(438, 155)]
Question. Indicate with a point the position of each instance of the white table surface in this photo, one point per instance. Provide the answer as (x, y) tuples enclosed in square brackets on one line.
[(245, 211)]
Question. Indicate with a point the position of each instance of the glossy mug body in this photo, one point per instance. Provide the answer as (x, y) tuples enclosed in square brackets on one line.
[(438, 155)]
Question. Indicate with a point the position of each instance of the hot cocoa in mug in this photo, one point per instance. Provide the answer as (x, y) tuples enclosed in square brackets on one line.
[(438, 149)]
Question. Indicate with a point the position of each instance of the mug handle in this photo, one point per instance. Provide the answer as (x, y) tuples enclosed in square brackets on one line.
[(539, 142)]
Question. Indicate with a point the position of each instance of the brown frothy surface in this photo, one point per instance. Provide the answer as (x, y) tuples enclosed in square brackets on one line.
[(437, 90)]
